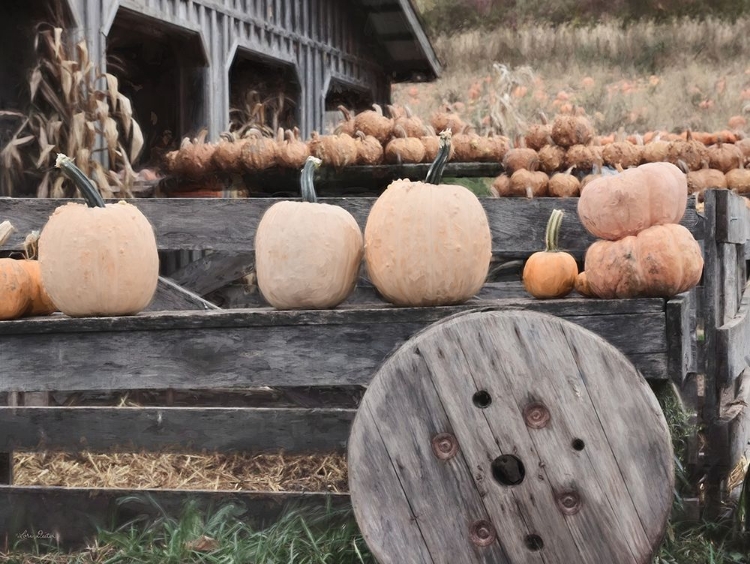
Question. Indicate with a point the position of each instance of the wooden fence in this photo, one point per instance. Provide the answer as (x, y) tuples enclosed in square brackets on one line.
[(189, 348)]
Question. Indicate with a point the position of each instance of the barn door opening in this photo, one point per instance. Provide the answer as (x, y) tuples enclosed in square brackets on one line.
[(263, 93), (353, 98), (162, 69)]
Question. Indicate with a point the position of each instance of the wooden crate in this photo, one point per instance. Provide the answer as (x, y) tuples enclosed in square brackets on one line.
[(192, 349)]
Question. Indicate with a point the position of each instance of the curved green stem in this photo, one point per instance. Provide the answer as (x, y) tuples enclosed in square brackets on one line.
[(435, 174), (82, 182), (552, 234), (306, 179)]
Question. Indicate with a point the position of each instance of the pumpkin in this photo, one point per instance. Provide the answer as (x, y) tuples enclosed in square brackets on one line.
[(446, 118), (612, 207), (428, 244), (404, 149), (337, 151), (501, 186), (744, 146), (497, 147), (656, 151), (40, 301), (580, 157), (532, 184), (97, 259), (373, 122), (405, 119), (227, 156), (724, 156), (347, 126), (520, 158), (291, 151), (689, 150), (596, 172), (623, 153), (737, 123), (564, 185), (569, 130), (307, 254), (462, 143), (551, 158), (582, 285), (739, 180), (538, 134), (550, 273), (15, 282), (194, 159), (698, 181), (431, 144), (258, 152), (369, 149), (660, 261)]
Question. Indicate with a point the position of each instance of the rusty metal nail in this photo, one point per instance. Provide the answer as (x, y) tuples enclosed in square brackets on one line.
[(569, 502), (445, 446), (482, 533), (536, 415)]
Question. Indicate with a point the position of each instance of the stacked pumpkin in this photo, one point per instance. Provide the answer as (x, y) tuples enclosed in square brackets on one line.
[(642, 250)]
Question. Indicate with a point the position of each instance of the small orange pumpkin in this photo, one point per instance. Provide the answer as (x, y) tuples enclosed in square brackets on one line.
[(550, 273)]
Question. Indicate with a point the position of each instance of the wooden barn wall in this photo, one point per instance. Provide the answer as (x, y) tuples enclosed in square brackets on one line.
[(316, 37)]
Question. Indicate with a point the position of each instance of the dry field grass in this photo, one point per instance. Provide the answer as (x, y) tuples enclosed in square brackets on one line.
[(683, 74)]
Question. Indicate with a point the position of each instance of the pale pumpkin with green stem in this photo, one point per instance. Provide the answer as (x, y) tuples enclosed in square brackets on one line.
[(426, 243), (307, 254), (550, 273), (97, 259)]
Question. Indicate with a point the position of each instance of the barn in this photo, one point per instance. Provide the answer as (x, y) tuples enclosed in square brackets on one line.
[(189, 64)]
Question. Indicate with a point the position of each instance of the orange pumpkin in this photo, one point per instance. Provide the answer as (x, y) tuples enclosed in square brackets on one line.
[(582, 285), (612, 207), (550, 273), (661, 261)]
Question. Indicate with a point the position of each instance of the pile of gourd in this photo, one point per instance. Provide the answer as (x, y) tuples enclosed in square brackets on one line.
[(559, 159), (367, 138), (641, 250)]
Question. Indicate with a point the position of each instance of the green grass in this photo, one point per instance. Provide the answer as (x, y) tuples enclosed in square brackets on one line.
[(331, 536)]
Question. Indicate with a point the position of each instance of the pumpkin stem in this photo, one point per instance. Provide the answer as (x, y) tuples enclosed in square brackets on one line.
[(31, 245), (552, 234), (306, 179), (435, 173), (6, 228), (82, 182)]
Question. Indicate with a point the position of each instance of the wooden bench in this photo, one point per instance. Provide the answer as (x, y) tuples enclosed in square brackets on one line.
[(180, 345)]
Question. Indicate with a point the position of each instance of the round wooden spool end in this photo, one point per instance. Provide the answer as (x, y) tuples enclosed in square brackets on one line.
[(510, 437)]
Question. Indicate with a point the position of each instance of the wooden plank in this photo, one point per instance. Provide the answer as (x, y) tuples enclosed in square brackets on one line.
[(248, 355), (733, 218), (739, 426), (474, 377), (171, 297), (517, 224), (731, 287), (131, 429), (733, 343), (72, 514), (681, 337), (712, 306)]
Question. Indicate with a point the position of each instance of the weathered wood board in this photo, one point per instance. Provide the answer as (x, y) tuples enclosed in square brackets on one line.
[(517, 224), (179, 429), (72, 514), (265, 347), (510, 437), (733, 343)]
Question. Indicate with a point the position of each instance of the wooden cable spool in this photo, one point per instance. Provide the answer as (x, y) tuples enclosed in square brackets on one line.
[(510, 437)]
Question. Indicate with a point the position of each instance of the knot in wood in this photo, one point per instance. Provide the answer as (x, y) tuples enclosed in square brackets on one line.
[(482, 533), (569, 502), (536, 415), (445, 446)]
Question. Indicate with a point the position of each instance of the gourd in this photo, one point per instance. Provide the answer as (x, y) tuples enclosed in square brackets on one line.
[(656, 151), (739, 180), (551, 158), (97, 259), (538, 134), (520, 157), (564, 185), (428, 244), (580, 157), (292, 152), (347, 126), (582, 285), (623, 153), (404, 149), (660, 261), (373, 122), (337, 151), (258, 152), (532, 184), (227, 156), (692, 152), (404, 118), (724, 156), (613, 207), (550, 273), (307, 253), (369, 149), (569, 130)]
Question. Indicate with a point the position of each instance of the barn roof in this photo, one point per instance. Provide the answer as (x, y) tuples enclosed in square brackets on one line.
[(396, 25)]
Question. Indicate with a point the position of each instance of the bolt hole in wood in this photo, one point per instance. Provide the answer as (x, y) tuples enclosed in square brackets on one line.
[(578, 444), (482, 399), (508, 470), (444, 446), (534, 542), (482, 533)]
